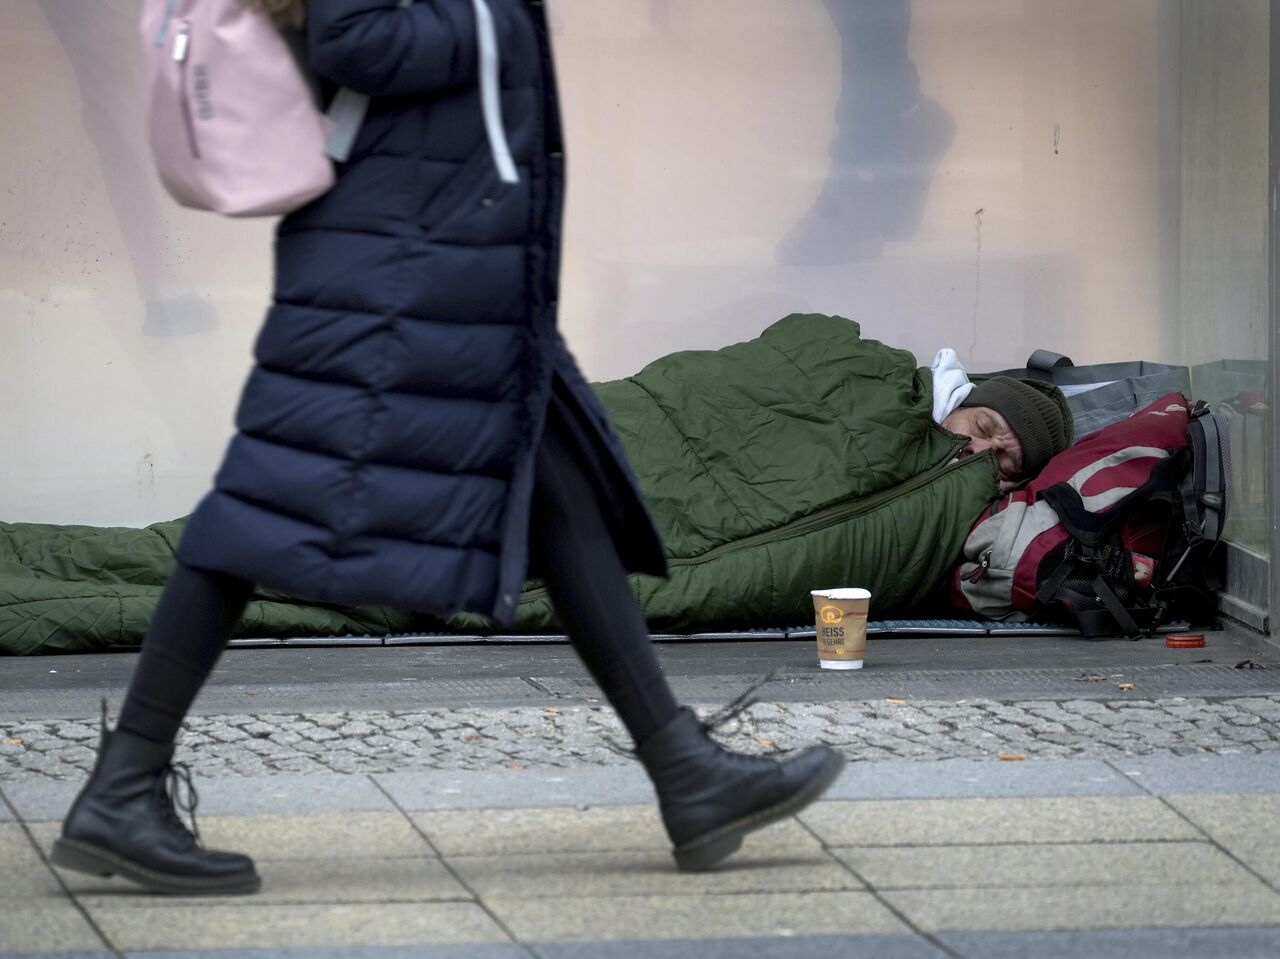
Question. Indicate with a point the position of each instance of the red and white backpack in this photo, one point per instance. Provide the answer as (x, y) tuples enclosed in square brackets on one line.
[(1116, 534)]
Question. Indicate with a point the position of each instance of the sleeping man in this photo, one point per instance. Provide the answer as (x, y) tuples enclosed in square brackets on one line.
[(1024, 424), (812, 457), (807, 457)]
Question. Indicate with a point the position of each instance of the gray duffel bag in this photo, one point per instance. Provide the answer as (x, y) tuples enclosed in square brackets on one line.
[(1103, 393)]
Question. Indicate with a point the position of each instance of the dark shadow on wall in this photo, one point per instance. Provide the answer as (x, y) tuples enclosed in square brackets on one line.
[(101, 40), (890, 139)]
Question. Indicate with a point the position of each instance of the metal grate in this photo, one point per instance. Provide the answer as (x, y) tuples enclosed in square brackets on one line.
[(810, 685), (881, 628)]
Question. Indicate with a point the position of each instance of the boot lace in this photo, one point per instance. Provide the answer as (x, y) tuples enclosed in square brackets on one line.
[(740, 703), (177, 793)]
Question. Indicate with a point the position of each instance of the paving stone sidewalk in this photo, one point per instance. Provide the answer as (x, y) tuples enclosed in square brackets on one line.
[(1151, 858), (523, 737)]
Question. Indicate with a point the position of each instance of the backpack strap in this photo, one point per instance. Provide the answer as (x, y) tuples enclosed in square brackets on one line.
[(1116, 608), (1089, 620), (1101, 622), (346, 113), (1212, 470), (1203, 487), (1048, 590), (1089, 529), (1088, 526)]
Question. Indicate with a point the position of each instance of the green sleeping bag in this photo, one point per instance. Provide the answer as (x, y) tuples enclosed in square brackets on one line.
[(804, 458)]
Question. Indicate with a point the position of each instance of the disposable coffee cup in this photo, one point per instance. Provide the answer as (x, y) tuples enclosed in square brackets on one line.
[(841, 618)]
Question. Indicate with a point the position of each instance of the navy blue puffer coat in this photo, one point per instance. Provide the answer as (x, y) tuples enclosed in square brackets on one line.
[(404, 372)]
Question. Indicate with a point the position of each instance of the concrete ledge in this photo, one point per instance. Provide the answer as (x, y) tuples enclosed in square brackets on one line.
[(790, 947), (980, 779), (460, 951), (1207, 774), (1228, 943)]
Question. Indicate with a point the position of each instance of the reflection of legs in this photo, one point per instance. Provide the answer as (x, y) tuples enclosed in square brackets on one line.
[(889, 141), (710, 798), (99, 38), (124, 820), (879, 83)]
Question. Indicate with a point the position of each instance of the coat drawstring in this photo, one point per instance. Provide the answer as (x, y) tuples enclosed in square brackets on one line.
[(348, 107), (490, 93)]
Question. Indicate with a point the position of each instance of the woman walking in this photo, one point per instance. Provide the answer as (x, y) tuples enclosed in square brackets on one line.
[(415, 433)]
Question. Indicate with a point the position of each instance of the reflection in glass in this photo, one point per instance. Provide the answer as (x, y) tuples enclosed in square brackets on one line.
[(889, 142)]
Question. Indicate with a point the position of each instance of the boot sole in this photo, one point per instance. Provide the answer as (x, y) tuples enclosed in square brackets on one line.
[(95, 861), (707, 851)]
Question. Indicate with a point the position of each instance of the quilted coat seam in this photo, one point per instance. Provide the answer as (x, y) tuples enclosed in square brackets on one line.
[(329, 379), (158, 535), (17, 552), (357, 485), (692, 449), (479, 546), (29, 559), (342, 458), (853, 438), (355, 311), (389, 235), (15, 604)]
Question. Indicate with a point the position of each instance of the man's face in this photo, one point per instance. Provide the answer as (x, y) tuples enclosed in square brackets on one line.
[(988, 430)]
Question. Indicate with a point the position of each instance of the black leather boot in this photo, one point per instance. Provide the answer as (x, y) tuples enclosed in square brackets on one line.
[(124, 821), (711, 798)]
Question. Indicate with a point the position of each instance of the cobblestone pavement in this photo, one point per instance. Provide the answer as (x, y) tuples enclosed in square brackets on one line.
[(371, 742)]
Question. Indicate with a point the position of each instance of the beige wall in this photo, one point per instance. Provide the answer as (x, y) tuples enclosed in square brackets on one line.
[(126, 322), (698, 134)]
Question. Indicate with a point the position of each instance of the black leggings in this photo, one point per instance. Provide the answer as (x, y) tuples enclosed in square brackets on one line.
[(570, 545)]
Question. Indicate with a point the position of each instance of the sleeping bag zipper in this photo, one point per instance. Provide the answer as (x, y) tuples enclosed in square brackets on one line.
[(814, 521), (824, 517)]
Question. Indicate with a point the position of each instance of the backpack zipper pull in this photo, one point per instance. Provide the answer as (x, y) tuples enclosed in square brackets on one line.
[(182, 41), (984, 561)]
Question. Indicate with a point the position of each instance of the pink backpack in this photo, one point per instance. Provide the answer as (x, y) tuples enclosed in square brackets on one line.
[(232, 121)]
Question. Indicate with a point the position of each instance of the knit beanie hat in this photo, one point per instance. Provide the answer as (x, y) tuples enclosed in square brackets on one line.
[(1036, 412)]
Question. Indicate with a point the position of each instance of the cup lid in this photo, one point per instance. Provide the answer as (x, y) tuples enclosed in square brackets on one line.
[(842, 592)]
